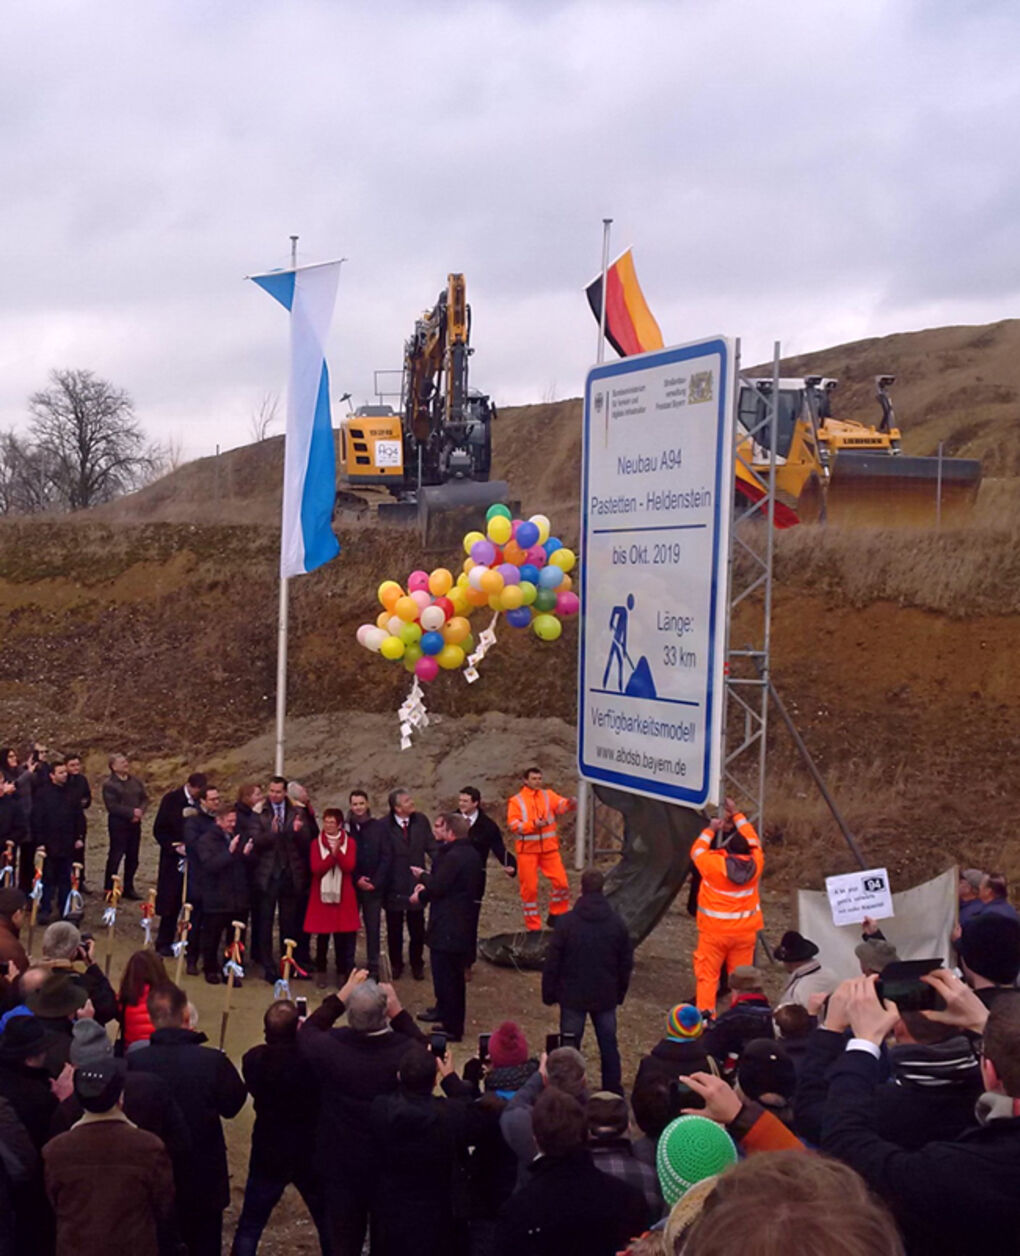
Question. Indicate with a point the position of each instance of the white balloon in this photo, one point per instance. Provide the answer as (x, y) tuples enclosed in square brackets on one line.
[(362, 634), (475, 577), (394, 625), (432, 618), (375, 637)]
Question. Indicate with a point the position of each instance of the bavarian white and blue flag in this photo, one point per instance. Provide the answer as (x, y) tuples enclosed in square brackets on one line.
[(309, 468)]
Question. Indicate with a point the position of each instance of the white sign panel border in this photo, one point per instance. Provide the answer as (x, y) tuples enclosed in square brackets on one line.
[(710, 789)]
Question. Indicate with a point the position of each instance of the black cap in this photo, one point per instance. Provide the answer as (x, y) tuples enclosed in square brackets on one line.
[(98, 1086), (990, 946), (22, 1036), (766, 1069)]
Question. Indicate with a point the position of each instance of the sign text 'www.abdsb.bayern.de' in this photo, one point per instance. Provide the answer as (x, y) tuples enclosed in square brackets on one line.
[(657, 478)]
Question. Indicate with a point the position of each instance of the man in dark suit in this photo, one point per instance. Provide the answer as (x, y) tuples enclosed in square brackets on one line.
[(485, 835), (55, 825), (282, 875), (411, 840), (168, 830), (452, 890), (371, 872)]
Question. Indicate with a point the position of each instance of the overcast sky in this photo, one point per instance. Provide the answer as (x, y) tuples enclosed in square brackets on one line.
[(808, 171)]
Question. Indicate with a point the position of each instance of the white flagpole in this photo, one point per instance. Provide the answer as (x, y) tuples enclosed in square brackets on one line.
[(584, 839), (281, 639)]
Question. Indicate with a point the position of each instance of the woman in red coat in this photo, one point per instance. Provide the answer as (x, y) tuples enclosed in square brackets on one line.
[(333, 901)]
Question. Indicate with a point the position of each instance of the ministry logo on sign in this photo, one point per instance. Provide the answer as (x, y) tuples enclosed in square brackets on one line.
[(701, 387), (599, 402)]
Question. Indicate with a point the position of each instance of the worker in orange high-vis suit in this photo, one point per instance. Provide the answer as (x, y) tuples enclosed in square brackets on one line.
[(531, 817), (729, 912)]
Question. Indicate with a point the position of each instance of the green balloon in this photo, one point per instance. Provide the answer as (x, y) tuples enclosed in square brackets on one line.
[(467, 645), (498, 509), (548, 627), (528, 592), (410, 634), (545, 600), (413, 652)]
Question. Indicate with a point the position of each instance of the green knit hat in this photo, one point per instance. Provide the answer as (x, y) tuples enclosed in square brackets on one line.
[(691, 1148)]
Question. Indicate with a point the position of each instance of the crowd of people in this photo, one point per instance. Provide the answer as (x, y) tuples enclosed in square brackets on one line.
[(827, 1118)]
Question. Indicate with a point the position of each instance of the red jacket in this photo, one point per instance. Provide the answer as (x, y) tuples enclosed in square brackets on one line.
[(339, 917), (137, 1026)]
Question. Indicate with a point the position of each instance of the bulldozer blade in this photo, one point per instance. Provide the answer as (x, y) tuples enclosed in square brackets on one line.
[(397, 514), (447, 511), (653, 866), (893, 491)]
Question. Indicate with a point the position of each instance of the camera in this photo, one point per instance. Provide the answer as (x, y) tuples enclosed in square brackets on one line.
[(437, 1044), (901, 983)]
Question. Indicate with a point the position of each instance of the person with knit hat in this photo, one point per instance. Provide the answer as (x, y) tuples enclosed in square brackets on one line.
[(680, 1050), (105, 1177), (509, 1061), (691, 1148), (989, 951)]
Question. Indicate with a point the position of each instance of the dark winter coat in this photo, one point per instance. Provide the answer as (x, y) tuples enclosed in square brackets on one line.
[(208, 1088), (282, 853), (55, 822), (149, 1102), (27, 1089), (375, 852), (417, 1139), (351, 1068), (196, 823), (80, 790), (285, 1092), (568, 1205), (749, 1017), (485, 836), (407, 850), (948, 1197), (13, 826), (452, 890), (168, 830), (590, 957), (122, 798), (19, 1162), (669, 1060), (223, 875), (109, 1184)]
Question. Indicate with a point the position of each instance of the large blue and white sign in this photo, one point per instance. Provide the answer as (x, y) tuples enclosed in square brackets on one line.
[(657, 483)]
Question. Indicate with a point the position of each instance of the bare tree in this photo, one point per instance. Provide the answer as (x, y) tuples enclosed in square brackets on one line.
[(87, 430), (26, 477), (263, 417)]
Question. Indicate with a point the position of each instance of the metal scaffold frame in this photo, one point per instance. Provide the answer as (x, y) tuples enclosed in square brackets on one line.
[(748, 664)]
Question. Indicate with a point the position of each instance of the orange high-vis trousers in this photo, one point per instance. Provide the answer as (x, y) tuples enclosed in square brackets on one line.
[(549, 863), (714, 950)]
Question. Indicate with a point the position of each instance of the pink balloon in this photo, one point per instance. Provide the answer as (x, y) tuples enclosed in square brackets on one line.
[(514, 525), (510, 573), (567, 603), (537, 556), (422, 598), (418, 580), (426, 669)]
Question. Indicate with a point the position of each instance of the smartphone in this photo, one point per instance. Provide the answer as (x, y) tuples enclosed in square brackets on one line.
[(483, 1047), (552, 1041), (301, 1003), (901, 983), (681, 1096), (437, 1044)]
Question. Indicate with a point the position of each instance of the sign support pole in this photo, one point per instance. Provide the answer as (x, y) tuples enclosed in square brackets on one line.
[(282, 629)]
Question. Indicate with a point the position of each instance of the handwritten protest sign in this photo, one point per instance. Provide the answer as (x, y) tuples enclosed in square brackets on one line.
[(858, 894)]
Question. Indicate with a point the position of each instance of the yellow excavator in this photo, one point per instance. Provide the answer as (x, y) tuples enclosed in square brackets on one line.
[(838, 470), (434, 457)]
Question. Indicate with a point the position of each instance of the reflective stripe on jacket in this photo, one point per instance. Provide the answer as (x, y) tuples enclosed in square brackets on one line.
[(531, 817), (723, 905)]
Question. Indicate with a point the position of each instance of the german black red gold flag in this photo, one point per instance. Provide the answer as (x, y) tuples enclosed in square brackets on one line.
[(630, 325)]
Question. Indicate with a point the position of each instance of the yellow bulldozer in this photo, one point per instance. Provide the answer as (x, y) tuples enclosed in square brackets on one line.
[(842, 471), (435, 455)]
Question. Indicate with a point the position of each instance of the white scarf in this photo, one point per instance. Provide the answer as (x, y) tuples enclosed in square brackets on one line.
[(332, 883)]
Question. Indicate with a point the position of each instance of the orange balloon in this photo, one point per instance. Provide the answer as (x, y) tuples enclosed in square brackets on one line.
[(457, 630), (512, 553), (477, 597), (492, 582), (389, 591), (406, 608), (565, 584), (383, 619)]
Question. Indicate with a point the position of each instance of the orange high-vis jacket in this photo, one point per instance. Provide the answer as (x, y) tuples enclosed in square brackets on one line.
[(724, 906), (531, 817)]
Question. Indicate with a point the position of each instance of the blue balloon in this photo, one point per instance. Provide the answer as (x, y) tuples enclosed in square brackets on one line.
[(432, 642), (552, 545), (527, 535), (529, 572), (519, 618), (550, 577)]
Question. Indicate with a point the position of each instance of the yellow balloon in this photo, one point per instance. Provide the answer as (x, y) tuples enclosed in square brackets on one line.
[(456, 630), (470, 539), (462, 581), (389, 591), (392, 648), (495, 601), (492, 581), (564, 559), (511, 598), (469, 565), (450, 657), (499, 529), (407, 609), (440, 582), (544, 527), (382, 620), (459, 599)]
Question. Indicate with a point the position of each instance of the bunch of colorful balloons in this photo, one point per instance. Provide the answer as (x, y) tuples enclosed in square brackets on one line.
[(515, 567)]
